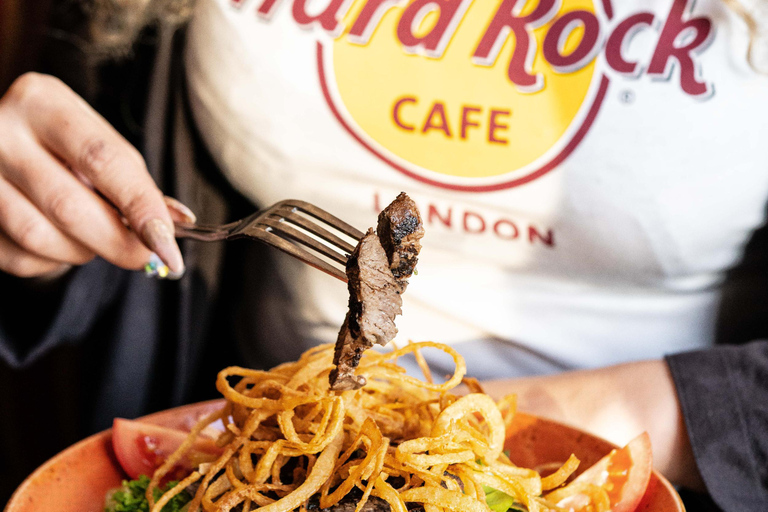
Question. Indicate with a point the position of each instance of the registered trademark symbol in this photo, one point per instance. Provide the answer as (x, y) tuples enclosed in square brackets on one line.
[(627, 96)]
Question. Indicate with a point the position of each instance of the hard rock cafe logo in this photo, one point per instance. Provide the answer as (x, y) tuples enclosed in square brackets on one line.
[(483, 95)]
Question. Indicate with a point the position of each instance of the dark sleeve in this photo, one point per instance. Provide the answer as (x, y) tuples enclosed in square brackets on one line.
[(723, 392), (36, 317)]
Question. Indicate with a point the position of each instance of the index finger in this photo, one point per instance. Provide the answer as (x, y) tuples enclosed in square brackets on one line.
[(78, 135)]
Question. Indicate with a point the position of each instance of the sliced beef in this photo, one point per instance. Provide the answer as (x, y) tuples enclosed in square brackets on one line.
[(349, 504), (346, 357), (374, 296), (400, 230), (374, 301), (377, 273)]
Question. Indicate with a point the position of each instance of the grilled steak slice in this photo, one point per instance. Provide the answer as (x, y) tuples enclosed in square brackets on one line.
[(373, 504), (374, 301), (346, 357), (349, 504), (377, 273), (400, 230)]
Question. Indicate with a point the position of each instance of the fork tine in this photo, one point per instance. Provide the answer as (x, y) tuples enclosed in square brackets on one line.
[(296, 251), (324, 216), (286, 229), (283, 226), (313, 228)]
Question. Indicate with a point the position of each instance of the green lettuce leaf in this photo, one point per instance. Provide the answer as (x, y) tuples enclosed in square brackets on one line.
[(499, 501), (131, 497)]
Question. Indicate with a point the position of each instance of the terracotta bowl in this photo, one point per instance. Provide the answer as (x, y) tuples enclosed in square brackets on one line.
[(77, 479)]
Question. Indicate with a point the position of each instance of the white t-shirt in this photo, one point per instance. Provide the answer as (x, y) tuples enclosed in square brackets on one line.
[(587, 171)]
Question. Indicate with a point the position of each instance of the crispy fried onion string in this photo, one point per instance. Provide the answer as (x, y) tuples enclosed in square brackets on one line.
[(289, 440)]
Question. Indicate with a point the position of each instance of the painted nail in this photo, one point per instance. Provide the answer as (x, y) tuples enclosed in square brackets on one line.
[(157, 235), (156, 268), (181, 209)]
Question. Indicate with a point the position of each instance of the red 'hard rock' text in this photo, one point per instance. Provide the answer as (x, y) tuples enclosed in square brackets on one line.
[(681, 38)]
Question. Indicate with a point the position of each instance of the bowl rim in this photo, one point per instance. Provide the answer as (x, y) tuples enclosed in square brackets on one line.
[(166, 417)]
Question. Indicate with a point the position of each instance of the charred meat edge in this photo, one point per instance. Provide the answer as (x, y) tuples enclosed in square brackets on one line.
[(400, 231)]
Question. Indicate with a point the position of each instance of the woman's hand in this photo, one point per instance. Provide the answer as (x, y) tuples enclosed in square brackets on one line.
[(67, 181), (616, 403)]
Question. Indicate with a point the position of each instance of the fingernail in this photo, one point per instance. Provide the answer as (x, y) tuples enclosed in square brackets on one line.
[(157, 235), (156, 268), (182, 209)]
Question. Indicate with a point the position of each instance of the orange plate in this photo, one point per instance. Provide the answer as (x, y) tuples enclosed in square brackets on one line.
[(77, 479)]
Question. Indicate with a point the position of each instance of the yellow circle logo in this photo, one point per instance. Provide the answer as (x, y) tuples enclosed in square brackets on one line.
[(469, 95)]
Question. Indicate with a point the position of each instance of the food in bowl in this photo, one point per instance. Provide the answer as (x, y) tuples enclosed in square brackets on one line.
[(306, 435), (400, 443), (344, 429)]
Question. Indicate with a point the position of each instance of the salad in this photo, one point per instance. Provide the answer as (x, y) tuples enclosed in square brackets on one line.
[(289, 442)]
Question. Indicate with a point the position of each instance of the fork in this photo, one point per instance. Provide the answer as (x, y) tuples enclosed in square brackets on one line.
[(296, 227)]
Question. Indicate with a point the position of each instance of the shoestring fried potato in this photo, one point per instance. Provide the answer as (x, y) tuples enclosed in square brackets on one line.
[(412, 443)]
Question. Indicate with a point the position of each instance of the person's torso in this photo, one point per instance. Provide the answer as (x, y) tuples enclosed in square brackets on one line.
[(586, 171)]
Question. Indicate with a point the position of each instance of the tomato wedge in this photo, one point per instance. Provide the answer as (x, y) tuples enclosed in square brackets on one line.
[(142, 447), (624, 474)]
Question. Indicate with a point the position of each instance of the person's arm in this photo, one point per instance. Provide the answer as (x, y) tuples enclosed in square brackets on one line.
[(706, 413), (71, 189), (616, 403), (723, 394)]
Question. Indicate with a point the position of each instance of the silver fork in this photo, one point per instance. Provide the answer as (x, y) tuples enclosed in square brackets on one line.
[(283, 226)]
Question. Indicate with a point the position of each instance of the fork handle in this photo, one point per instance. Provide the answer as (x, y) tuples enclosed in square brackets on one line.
[(203, 232)]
